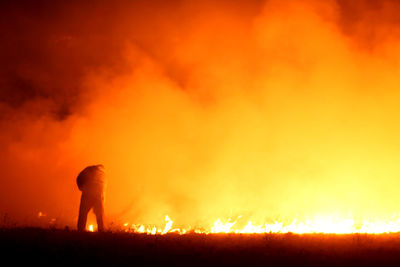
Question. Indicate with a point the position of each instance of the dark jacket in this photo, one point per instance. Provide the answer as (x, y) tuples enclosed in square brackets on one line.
[(92, 180)]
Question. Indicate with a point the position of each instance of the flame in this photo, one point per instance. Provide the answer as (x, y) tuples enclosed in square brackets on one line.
[(41, 214), (136, 228), (91, 228), (168, 225), (220, 227), (320, 224)]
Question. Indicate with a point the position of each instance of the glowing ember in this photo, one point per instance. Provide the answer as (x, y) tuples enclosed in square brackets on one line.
[(41, 214)]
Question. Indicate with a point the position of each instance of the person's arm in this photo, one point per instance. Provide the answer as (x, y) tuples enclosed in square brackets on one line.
[(80, 181)]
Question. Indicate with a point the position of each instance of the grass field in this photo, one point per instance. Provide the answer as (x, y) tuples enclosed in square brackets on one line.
[(62, 247)]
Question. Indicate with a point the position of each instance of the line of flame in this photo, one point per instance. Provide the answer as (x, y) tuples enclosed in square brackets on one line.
[(319, 225)]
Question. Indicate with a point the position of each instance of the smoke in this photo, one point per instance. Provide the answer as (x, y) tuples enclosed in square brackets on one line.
[(263, 109)]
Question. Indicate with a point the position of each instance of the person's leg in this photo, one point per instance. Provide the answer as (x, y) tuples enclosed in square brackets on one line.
[(98, 209), (84, 209)]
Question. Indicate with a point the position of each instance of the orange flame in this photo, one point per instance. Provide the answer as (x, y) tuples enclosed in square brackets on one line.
[(320, 224)]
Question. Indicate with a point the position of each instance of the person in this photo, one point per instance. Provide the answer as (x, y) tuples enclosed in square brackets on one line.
[(92, 182)]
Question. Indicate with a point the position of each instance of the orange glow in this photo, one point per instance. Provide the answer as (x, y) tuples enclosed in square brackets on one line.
[(230, 117), (41, 214)]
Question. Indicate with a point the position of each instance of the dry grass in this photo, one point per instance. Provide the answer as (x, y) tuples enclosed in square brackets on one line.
[(63, 247)]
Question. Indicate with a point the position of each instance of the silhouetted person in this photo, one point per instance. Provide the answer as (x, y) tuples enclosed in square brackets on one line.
[(91, 181)]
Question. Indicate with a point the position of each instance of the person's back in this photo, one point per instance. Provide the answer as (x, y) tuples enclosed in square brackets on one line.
[(92, 182)]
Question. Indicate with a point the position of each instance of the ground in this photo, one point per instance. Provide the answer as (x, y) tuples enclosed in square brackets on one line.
[(64, 247)]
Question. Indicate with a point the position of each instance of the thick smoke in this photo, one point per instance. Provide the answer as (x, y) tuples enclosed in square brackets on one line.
[(264, 109)]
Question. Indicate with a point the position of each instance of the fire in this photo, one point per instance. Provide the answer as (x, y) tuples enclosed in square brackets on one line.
[(220, 227), (168, 225), (320, 224), (205, 112), (91, 228), (41, 214), (140, 228)]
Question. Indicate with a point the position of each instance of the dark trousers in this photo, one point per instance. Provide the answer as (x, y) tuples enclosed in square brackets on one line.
[(88, 202)]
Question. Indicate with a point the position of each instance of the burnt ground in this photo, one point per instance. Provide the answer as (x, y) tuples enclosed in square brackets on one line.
[(62, 247)]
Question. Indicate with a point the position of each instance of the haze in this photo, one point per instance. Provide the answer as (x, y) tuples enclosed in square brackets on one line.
[(201, 109)]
